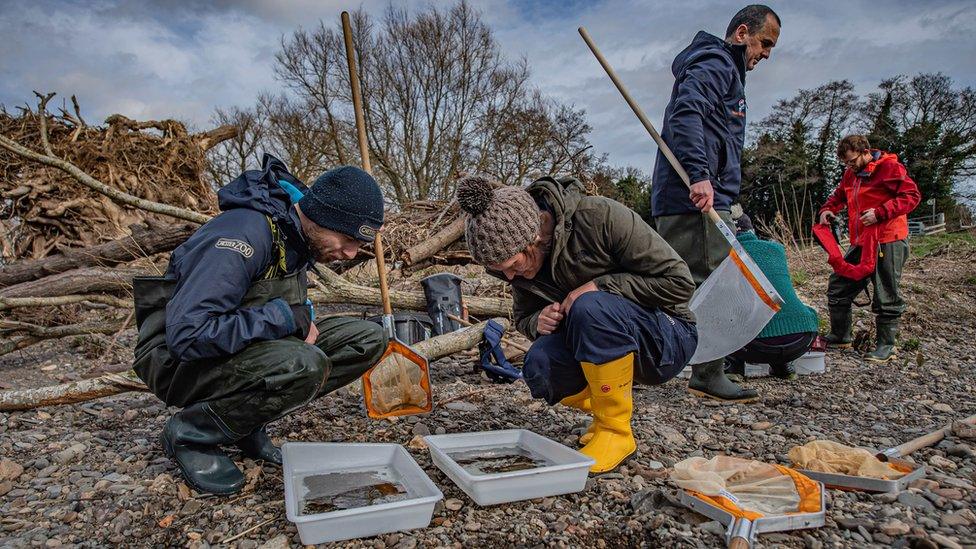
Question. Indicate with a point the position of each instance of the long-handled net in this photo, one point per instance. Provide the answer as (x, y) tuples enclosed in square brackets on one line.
[(736, 301)]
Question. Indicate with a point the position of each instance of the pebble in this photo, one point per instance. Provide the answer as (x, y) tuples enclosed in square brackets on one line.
[(961, 450), (472, 526), (915, 501), (10, 470), (895, 527), (760, 426), (453, 504), (278, 542), (943, 541), (713, 527), (70, 454), (942, 463), (461, 406), (960, 518)]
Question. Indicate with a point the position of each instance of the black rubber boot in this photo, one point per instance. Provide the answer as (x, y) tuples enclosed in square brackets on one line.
[(783, 371), (258, 445), (841, 321), (191, 438), (709, 380), (886, 332)]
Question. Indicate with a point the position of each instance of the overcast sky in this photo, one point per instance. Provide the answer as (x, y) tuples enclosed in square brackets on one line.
[(181, 59)]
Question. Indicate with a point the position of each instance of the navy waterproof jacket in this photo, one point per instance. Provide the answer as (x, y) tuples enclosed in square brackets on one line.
[(704, 125), (216, 267)]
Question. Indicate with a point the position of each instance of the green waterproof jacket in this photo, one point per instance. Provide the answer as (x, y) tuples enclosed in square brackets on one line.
[(599, 239)]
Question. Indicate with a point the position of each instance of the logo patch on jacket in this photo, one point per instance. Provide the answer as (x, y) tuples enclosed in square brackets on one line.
[(238, 246), (740, 110)]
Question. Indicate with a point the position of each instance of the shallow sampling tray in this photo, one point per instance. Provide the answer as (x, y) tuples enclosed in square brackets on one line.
[(838, 481), (495, 467), (355, 490)]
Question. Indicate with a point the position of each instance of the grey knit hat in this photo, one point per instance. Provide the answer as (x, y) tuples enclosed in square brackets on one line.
[(501, 222)]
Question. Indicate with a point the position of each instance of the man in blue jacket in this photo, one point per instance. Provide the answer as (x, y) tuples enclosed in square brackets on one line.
[(704, 125), (228, 333)]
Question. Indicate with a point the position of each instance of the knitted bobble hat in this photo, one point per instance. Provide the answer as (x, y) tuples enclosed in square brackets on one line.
[(501, 221)]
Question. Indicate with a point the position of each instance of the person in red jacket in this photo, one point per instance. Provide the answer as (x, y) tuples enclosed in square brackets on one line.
[(878, 194)]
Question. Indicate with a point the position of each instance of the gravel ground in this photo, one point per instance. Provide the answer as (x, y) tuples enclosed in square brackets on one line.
[(93, 474)]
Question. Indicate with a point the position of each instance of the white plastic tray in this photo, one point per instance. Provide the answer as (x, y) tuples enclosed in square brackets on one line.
[(566, 475), (302, 459), (812, 362)]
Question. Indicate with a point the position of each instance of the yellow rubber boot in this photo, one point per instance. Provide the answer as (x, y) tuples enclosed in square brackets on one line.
[(611, 395), (581, 401)]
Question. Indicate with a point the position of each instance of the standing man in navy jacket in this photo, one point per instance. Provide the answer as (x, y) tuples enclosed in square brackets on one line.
[(704, 125), (228, 334)]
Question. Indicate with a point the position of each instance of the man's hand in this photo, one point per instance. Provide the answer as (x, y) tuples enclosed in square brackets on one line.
[(869, 217), (313, 334), (702, 195), (825, 217), (302, 313), (549, 319), (574, 295)]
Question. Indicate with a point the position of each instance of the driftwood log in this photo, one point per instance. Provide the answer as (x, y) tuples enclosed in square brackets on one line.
[(444, 238), (87, 280), (144, 241), (116, 383), (340, 290)]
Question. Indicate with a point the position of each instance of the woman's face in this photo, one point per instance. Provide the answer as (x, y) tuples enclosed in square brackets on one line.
[(525, 264)]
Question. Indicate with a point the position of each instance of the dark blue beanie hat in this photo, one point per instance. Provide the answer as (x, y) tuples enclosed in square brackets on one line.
[(347, 200)]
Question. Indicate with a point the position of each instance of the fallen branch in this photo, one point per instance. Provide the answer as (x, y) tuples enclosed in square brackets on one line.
[(15, 302), (69, 393), (18, 344), (445, 237), (36, 334), (339, 290), (86, 280), (143, 242), (210, 139), (113, 384)]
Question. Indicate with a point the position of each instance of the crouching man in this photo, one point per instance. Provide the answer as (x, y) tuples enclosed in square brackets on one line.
[(601, 294), (228, 333)]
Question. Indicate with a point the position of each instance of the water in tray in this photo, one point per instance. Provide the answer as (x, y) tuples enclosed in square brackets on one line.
[(328, 492), (497, 459)]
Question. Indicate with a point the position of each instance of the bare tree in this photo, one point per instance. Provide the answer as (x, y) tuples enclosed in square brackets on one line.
[(227, 160), (439, 99)]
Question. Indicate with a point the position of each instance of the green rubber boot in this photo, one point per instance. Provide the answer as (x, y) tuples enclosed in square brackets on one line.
[(841, 321), (885, 336), (709, 380)]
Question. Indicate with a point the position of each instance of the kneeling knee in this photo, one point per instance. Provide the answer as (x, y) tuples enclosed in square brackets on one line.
[(306, 372)]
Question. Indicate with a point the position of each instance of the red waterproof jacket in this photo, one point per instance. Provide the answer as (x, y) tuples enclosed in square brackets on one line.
[(884, 185)]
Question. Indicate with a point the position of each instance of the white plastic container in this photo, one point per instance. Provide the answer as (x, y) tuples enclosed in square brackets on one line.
[(813, 362), (308, 459), (564, 470)]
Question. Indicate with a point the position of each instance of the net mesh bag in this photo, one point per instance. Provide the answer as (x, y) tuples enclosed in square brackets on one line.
[(729, 309), (832, 457), (398, 385), (746, 488)]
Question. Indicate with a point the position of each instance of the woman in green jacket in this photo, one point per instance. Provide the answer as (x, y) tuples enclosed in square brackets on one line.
[(790, 332), (603, 297)]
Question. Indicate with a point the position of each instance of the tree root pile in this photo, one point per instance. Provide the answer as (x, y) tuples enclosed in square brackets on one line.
[(45, 210)]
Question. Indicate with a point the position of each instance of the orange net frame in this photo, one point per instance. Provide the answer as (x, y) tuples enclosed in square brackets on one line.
[(399, 384)]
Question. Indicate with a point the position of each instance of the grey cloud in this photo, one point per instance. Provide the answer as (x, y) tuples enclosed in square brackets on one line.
[(183, 58)]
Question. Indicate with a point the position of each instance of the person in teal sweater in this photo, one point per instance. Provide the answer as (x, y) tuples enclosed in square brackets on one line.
[(790, 332)]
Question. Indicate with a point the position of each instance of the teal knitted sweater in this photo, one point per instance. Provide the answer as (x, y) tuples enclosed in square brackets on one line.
[(794, 317)]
